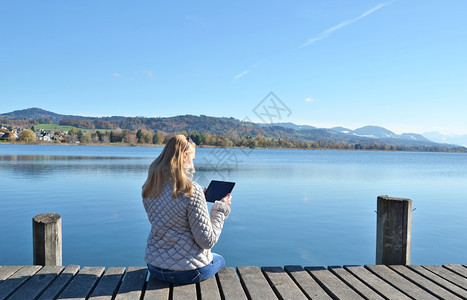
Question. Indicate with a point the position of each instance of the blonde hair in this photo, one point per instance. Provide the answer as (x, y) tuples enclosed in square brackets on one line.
[(170, 161)]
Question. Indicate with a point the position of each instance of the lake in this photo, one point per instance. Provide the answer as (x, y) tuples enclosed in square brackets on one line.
[(311, 208)]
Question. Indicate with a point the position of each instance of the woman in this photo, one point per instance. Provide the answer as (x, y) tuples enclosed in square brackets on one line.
[(182, 232)]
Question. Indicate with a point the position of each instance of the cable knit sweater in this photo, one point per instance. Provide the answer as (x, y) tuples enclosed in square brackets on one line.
[(182, 232)]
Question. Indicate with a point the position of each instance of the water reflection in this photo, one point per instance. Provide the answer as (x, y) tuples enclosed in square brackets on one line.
[(36, 166), (283, 200), (38, 158)]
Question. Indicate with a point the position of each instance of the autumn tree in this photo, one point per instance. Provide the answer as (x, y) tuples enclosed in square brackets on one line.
[(146, 137), (94, 137), (98, 123), (27, 136), (129, 136), (104, 138), (7, 134), (85, 138), (116, 136), (157, 138)]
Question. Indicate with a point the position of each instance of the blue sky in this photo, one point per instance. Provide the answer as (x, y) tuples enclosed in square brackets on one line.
[(397, 64)]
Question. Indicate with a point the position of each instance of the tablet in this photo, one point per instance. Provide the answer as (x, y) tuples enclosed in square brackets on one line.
[(218, 190)]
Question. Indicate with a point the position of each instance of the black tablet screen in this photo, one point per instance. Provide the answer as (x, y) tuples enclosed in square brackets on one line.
[(218, 190)]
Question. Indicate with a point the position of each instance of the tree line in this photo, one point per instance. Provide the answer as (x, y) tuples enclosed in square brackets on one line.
[(157, 137), (207, 131)]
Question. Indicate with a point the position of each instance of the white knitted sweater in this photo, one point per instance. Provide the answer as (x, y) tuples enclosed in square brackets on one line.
[(182, 233)]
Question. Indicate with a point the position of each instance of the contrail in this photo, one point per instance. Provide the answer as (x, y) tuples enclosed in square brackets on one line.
[(248, 70), (322, 35), (241, 74), (328, 31)]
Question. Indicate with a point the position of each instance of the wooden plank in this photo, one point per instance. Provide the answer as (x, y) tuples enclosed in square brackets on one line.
[(448, 275), (352, 281), (447, 282), (229, 284), (254, 283), (439, 280), (332, 284), (307, 284), (10, 285), (59, 283), (133, 283), (282, 284), (377, 284), (183, 292), (37, 284), (157, 289), (108, 285), (457, 269), (6, 272), (209, 290), (400, 282), (424, 282), (83, 283)]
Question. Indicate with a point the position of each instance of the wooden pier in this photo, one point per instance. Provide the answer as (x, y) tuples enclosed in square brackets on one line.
[(290, 282), (393, 277)]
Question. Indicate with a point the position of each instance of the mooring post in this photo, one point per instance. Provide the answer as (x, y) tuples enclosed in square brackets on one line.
[(394, 231), (47, 239)]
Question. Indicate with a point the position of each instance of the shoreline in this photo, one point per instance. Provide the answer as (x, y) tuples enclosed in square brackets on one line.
[(211, 146)]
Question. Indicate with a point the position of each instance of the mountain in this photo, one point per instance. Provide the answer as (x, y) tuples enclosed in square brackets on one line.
[(290, 125), (414, 137), (341, 129), (376, 132), (456, 139), (369, 137), (35, 113)]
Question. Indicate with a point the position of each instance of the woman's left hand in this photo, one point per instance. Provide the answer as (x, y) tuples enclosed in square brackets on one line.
[(227, 199)]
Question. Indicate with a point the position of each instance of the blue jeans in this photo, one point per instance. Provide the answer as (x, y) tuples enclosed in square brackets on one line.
[(189, 276)]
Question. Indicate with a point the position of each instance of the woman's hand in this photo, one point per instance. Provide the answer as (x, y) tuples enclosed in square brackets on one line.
[(227, 199)]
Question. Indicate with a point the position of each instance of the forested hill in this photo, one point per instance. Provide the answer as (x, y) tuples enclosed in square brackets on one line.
[(39, 114), (233, 129), (211, 125)]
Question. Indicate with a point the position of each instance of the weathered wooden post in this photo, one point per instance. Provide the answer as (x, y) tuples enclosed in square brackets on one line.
[(47, 239), (394, 231)]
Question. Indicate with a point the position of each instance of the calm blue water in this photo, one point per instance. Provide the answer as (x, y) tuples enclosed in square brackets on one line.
[(289, 206)]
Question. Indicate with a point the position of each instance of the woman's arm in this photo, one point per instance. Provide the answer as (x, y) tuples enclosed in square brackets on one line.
[(206, 229)]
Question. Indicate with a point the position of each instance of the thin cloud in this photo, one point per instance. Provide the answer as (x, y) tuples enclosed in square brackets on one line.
[(240, 75), (309, 99), (149, 73), (329, 31), (321, 36), (116, 74)]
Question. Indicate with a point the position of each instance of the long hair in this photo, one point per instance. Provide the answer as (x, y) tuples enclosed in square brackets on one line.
[(170, 162)]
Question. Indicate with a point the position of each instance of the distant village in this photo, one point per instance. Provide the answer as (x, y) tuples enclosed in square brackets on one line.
[(11, 134), (30, 135)]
